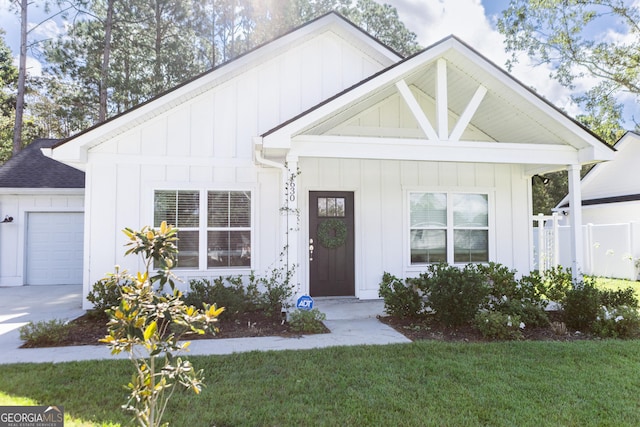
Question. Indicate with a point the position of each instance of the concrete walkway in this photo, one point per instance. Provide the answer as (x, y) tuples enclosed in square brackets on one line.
[(351, 322)]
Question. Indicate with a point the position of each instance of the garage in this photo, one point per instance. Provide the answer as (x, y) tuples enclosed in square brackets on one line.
[(54, 242)]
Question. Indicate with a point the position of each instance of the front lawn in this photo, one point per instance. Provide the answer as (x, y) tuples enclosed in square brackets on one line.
[(424, 383), (616, 284)]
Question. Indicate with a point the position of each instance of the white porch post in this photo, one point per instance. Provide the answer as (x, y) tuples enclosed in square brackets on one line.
[(575, 204), (292, 214)]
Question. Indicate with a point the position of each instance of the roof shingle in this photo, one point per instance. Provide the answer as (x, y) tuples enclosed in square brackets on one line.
[(32, 169)]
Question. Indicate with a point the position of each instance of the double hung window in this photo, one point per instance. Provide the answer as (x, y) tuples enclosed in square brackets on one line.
[(448, 227), (220, 239)]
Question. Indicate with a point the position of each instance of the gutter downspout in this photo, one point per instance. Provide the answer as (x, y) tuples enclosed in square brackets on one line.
[(284, 222)]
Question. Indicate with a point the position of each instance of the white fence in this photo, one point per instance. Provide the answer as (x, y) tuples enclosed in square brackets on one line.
[(610, 250)]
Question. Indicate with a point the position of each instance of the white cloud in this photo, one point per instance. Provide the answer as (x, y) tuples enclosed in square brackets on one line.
[(46, 30), (466, 19)]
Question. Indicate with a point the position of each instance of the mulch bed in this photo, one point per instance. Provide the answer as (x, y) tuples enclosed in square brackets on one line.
[(428, 329), (87, 329)]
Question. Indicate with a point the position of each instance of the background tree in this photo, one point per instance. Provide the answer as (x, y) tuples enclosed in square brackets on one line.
[(561, 33), (124, 52), (8, 96), (22, 77)]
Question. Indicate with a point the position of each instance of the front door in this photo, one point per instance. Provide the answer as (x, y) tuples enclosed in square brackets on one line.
[(332, 270)]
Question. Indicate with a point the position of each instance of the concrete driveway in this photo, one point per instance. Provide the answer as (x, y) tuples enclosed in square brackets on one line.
[(20, 305)]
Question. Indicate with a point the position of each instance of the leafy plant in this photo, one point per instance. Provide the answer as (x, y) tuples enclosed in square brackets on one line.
[(498, 326), (400, 299), (278, 289), (454, 294), (617, 322), (581, 305), (522, 298), (556, 283), (618, 298), (228, 292), (307, 321), (530, 313), (44, 333), (143, 325), (106, 293)]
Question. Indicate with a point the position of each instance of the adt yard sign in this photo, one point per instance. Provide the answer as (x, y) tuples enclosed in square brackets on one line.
[(305, 302)]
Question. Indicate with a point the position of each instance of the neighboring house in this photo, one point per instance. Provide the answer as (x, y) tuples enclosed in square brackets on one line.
[(611, 190), (610, 213), (325, 139), (41, 209)]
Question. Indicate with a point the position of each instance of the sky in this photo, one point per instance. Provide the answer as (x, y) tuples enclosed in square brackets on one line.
[(473, 21)]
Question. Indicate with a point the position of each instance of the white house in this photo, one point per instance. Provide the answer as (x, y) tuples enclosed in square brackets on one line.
[(41, 220), (325, 139), (610, 213), (611, 190)]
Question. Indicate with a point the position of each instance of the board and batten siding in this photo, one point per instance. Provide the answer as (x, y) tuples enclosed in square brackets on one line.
[(207, 143), (13, 234), (381, 209)]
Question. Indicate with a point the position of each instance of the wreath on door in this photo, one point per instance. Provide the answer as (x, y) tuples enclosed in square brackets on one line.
[(332, 233)]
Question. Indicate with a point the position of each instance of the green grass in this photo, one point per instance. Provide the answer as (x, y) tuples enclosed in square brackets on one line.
[(584, 383), (615, 284)]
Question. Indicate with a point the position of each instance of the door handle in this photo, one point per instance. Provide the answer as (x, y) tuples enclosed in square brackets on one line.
[(310, 249)]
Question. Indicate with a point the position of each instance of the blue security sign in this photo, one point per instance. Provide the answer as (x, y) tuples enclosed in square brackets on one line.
[(305, 302)]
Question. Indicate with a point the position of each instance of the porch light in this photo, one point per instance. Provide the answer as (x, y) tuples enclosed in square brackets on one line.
[(7, 219), (542, 179)]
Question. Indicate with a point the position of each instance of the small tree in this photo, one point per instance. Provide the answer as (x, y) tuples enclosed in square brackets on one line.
[(148, 326)]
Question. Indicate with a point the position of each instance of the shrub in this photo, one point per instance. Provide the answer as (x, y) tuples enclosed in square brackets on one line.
[(400, 299), (498, 326), (618, 298), (45, 333), (617, 322), (500, 280), (106, 293), (522, 298), (278, 290), (307, 321), (532, 314), (581, 305), (454, 294), (556, 283), (232, 295)]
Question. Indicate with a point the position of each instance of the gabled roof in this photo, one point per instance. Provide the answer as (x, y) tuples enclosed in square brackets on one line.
[(491, 105), (72, 150), (617, 181), (32, 169)]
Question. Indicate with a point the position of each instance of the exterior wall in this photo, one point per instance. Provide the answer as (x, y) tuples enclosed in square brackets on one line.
[(611, 213), (207, 143), (122, 196), (13, 234), (381, 211), (619, 177)]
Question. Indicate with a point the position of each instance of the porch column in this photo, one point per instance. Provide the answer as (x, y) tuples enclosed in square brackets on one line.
[(292, 217), (575, 204)]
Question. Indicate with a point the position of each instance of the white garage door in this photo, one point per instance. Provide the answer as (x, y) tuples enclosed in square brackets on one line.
[(54, 248)]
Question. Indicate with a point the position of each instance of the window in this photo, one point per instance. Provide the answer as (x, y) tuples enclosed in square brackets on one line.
[(220, 240), (228, 229), (182, 209), (330, 206), (448, 227)]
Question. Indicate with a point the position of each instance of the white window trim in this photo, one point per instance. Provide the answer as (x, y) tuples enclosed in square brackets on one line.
[(449, 191), (203, 228)]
